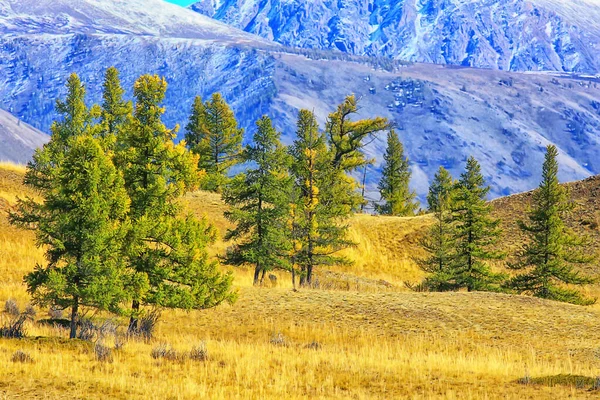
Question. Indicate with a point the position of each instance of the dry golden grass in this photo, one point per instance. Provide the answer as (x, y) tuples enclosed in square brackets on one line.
[(371, 344)]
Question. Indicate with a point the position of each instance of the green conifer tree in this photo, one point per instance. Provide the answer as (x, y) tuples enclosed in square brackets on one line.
[(114, 109), (476, 232), (553, 251), (259, 200), (79, 219), (439, 240), (398, 199), (167, 251), (319, 226), (213, 134), (347, 138)]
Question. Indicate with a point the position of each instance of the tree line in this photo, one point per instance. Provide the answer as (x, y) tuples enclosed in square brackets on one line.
[(462, 242), (108, 208)]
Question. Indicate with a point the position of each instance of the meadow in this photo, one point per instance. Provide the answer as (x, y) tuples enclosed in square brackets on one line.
[(361, 335)]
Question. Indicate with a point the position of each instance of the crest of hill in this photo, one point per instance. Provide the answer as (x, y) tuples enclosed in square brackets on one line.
[(18, 140), (154, 18)]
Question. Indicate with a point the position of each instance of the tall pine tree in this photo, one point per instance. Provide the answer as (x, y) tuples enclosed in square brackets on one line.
[(167, 251), (398, 199), (476, 232), (319, 229), (79, 220), (259, 200), (439, 240), (213, 134), (553, 251)]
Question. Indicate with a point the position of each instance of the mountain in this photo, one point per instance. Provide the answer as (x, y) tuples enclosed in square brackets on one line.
[(18, 140), (514, 35), (443, 113)]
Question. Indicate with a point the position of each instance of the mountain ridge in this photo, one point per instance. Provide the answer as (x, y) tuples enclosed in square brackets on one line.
[(443, 113), (514, 35)]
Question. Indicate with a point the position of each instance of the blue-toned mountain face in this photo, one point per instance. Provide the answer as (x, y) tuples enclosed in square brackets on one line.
[(515, 35), (443, 113)]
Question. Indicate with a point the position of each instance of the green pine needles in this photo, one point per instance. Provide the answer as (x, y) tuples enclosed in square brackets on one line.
[(548, 260), (110, 180), (461, 243)]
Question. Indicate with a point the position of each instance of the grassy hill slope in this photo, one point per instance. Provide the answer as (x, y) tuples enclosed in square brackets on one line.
[(367, 340)]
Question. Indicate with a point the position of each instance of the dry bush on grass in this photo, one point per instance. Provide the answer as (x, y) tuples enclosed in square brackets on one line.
[(199, 353), (277, 339), (146, 326), (20, 356), (313, 346), (103, 353), (15, 328), (12, 308), (166, 352)]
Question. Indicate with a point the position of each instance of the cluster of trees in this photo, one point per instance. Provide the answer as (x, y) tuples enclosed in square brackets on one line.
[(107, 209), (462, 242), (290, 205)]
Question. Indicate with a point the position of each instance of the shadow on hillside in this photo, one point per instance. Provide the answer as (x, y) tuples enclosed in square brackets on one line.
[(575, 381)]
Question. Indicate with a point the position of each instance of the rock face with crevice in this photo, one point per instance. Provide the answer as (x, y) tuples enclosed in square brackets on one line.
[(515, 35)]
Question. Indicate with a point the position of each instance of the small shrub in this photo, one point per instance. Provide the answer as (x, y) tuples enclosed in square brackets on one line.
[(164, 351), (313, 346), (146, 326), (119, 342), (55, 313), (15, 329), (199, 353), (21, 357), (103, 353), (12, 308), (87, 330), (278, 340)]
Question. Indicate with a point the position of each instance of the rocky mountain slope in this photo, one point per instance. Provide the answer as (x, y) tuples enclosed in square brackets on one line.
[(18, 140), (444, 114), (516, 35)]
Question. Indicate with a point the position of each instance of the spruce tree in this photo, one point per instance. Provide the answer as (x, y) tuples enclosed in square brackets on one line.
[(259, 204), (213, 134), (398, 199), (166, 250), (114, 109), (476, 232), (552, 251), (319, 230), (79, 220), (439, 239)]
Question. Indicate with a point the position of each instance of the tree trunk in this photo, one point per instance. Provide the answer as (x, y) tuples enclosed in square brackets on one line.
[(133, 321), (257, 275), (262, 278), (74, 317)]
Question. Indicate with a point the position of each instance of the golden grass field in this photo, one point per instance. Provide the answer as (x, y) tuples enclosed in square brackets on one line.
[(367, 338)]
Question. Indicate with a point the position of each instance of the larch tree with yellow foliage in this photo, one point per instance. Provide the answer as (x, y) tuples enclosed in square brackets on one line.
[(318, 232)]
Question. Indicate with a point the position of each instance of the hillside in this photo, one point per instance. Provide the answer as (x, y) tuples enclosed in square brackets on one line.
[(515, 35), (364, 340), (18, 140), (443, 114)]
